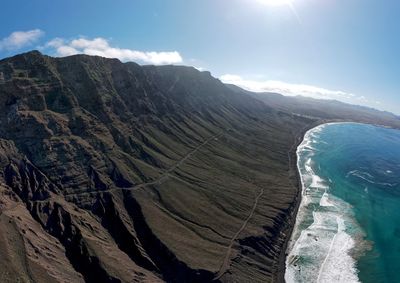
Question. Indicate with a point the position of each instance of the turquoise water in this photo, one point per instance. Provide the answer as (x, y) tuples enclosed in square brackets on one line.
[(348, 225)]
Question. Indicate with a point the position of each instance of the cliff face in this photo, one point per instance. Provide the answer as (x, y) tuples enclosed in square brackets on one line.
[(113, 172)]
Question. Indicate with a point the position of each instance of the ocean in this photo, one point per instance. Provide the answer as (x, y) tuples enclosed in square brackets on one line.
[(348, 225)]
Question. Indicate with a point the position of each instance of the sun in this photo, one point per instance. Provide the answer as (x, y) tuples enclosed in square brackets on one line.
[(275, 2)]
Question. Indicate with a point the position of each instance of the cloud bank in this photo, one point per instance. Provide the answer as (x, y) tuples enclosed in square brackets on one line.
[(19, 39), (288, 88), (101, 47), (81, 45)]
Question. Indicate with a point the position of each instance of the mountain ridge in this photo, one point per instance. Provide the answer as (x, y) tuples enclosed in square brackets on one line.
[(327, 107), (125, 173)]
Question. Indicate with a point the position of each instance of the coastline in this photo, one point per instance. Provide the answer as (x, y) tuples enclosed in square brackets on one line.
[(294, 175)]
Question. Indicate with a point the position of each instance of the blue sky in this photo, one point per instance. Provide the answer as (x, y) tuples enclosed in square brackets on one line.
[(341, 49)]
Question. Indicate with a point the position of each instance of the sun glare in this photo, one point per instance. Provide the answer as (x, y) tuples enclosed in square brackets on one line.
[(275, 2)]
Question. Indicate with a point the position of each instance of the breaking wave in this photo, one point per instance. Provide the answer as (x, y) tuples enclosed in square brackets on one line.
[(325, 233)]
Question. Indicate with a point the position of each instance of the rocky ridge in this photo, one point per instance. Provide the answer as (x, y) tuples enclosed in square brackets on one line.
[(113, 172)]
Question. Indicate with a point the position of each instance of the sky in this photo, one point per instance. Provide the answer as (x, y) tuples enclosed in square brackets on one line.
[(347, 50)]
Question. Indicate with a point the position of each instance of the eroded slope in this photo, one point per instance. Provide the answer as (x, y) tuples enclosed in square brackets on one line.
[(135, 174)]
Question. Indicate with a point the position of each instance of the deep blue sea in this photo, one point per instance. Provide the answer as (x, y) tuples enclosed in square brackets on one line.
[(348, 225)]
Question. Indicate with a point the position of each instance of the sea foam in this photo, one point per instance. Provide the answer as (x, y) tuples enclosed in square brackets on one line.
[(319, 249)]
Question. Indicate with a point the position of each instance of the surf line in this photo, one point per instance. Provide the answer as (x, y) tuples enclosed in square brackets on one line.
[(330, 249)]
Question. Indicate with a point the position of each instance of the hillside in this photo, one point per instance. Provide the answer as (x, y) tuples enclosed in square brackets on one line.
[(323, 109), (115, 172)]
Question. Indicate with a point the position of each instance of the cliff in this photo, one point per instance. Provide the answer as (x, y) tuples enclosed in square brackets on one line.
[(113, 172)]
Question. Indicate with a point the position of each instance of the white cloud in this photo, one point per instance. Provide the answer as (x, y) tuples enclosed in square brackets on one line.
[(289, 89), (55, 42), (101, 47), (19, 39)]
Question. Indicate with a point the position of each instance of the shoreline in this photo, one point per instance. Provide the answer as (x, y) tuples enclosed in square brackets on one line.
[(294, 176)]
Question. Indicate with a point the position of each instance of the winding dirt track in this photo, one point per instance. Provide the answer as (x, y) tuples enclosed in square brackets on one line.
[(227, 260), (163, 177)]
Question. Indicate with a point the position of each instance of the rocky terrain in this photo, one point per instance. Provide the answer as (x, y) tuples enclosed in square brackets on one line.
[(113, 172)]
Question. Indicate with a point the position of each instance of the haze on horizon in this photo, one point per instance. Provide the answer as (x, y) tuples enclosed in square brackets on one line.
[(344, 50)]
